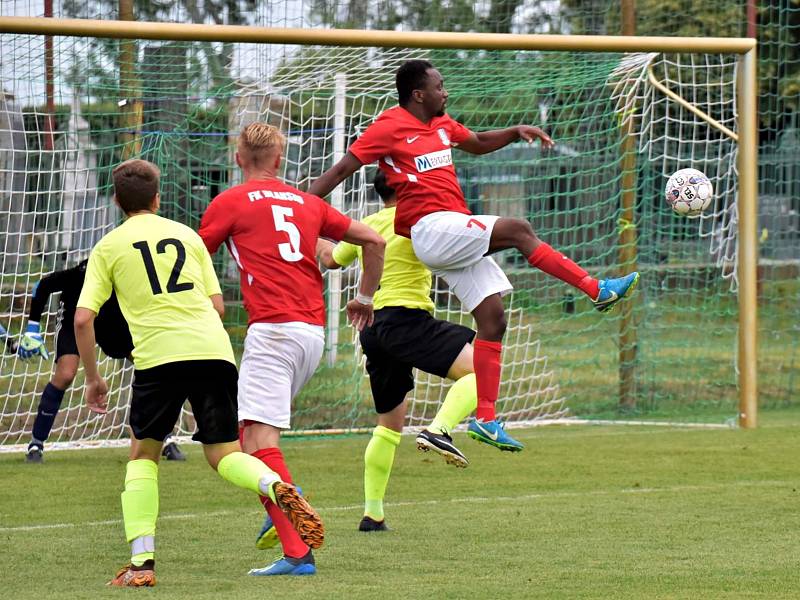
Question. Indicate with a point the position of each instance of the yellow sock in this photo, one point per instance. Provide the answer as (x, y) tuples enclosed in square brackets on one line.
[(245, 471), (461, 401), (378, 460), (140, 508)]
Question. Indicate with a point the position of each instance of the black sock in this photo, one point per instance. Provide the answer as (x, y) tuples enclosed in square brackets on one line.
[(48, 409)]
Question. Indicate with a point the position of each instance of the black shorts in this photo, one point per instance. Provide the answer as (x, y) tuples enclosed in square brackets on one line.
[(65, 336), (110, 330), (210, 386), (401, 339)]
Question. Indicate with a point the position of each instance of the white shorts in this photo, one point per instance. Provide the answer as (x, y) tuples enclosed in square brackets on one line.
[(454, 246), (278, 360)]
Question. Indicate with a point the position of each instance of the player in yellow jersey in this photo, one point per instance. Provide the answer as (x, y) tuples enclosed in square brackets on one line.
[(403, 336), (170, 296)]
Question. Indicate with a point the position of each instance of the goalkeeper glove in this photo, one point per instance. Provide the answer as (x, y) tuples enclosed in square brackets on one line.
[(32, 343)]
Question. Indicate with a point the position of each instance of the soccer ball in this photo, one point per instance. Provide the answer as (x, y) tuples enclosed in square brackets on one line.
[(689, 192)]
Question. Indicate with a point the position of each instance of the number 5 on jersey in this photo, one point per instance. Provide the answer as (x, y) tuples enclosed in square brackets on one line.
[(290, 251)]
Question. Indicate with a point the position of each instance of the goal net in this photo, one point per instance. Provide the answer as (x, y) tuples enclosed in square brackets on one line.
[(183, 104)]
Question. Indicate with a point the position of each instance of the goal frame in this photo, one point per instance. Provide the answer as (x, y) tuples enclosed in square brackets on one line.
[(745, 48)]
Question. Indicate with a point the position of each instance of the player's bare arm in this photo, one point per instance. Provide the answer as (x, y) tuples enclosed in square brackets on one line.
[(325, 254), (219, 305), (489, 141), (323, 185), (359, 310), (96, 394)]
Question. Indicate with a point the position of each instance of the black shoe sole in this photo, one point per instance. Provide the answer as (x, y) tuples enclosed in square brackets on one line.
[(425, 445), (369, 525)]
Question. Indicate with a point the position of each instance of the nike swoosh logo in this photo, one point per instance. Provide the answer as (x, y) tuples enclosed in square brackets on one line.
[(614, 296), (491, 436), (410, 140)]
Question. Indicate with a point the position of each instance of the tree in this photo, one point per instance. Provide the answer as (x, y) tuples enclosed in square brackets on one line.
[(100, 64), (418, 15)]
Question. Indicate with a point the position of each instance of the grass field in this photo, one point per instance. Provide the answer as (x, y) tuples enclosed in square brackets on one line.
[(584, 512)]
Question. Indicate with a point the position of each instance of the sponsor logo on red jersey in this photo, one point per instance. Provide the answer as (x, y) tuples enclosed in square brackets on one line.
[(433, 160)]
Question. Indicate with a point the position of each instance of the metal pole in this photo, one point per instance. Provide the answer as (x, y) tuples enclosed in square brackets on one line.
[(748, 243), (337, 201), (628, 251), (357, 37)]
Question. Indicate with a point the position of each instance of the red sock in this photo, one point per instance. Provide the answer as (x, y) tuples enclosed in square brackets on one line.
[(486, 361), (293, 546), (556, 264)]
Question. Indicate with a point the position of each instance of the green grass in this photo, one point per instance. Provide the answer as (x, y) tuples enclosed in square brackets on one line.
[(584, 512)]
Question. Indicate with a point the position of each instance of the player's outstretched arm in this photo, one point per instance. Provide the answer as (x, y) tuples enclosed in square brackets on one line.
[(96, 388), (489, 141), (32, 343), (325, 183), (359, 310)]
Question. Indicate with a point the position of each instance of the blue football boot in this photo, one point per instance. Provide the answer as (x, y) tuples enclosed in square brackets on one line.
[(614, 290), (288, 566), (494, 434)]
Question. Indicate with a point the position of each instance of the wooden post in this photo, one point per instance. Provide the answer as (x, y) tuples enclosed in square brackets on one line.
[(130, 92), (627, 238), (751, 12), (49, 85)]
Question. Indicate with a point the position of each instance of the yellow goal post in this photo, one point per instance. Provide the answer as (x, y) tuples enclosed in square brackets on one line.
[(746, 126)]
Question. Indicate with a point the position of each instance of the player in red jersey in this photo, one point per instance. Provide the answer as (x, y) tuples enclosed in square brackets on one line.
[(412, 143), (271, 230)]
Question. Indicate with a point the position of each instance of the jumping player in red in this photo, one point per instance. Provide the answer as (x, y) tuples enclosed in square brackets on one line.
[(412, 143), (271, 230)]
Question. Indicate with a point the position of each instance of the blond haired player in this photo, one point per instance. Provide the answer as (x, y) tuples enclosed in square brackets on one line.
[(170, 297), (271, 230)]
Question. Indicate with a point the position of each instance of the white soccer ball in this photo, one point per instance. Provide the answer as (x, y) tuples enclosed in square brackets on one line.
[(689, 192)]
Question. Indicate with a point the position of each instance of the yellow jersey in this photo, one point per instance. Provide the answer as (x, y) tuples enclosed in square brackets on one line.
[(405, 281), (163, 277)]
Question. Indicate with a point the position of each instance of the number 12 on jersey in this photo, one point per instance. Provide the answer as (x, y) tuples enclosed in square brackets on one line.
[(180, 259)]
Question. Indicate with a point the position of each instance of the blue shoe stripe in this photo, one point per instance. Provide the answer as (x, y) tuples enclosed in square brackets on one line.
[(284, 567)]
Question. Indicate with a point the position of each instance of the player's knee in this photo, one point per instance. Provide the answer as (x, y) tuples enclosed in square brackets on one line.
[(494, 329), (394, 419), (463, 365), (522, 231), (393, 422), (63, 378), (490, 319), (500, 326), (66, 370)]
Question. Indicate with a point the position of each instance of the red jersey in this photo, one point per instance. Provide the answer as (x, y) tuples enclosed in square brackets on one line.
[(417, 161), (271, 230)]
